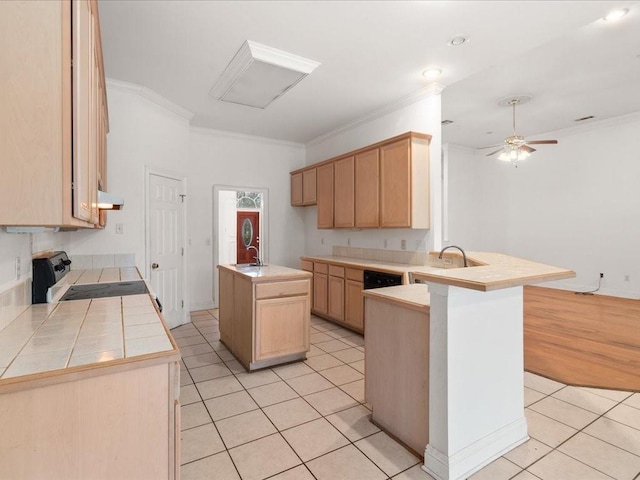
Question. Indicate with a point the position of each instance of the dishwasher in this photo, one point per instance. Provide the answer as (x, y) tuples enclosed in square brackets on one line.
[(373, 279)]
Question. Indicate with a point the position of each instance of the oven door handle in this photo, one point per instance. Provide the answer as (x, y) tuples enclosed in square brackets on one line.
[(158, 302)]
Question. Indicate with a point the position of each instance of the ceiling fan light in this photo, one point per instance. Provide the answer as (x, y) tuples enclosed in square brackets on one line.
[(505, 154), (614, 15), (523, 154)]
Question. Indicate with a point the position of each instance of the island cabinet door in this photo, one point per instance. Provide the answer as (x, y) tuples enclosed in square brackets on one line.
[(282, 326), (226, 304)]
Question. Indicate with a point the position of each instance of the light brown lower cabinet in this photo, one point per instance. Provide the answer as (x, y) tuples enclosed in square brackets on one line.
[(264, 321), (337, 293), (94, 424), (354, 304)]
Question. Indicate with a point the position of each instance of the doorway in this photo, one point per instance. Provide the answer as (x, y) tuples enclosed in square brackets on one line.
[(165, 218), (240, 221)]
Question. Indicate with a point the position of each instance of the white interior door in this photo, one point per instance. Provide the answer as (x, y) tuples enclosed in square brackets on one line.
[(166, 249)]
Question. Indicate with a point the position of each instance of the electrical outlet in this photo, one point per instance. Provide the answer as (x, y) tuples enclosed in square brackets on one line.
[(348, 242), (119, 229), (601, 275), (403, 244), (321, 240), (385, 243), (627, 278), (18, 268)]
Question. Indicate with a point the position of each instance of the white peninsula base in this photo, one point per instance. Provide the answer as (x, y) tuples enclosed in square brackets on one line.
[(476, 399)]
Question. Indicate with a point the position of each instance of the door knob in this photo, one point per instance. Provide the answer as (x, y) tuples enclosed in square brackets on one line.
[(154, 265)]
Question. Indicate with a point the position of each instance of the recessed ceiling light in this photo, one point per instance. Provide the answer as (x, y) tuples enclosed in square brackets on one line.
[(614, 15), (446, 122), (432, 73), (458, 40)]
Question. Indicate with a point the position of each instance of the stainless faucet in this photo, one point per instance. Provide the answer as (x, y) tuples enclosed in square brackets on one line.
[(257, 257), (464, 256)]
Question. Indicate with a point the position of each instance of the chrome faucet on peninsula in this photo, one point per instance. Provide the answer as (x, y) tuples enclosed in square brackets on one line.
[(464, 255)]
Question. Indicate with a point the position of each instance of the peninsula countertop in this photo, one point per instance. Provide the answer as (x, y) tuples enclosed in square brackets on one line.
[(486, 271), (492, 271)]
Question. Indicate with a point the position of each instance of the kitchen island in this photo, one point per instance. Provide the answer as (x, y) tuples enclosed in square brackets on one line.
[(264, 313), (90, 389), (475, 359)]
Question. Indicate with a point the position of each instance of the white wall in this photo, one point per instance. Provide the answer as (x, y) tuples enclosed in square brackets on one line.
[(142, 133), (233, 160), (147, 131), (422, 116), (574, 205)]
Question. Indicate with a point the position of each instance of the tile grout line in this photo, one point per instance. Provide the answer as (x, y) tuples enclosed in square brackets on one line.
[(295, 426), (556, 448)]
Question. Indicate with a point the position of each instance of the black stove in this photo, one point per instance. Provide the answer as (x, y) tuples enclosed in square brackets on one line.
[(103, 290), (48, 269)]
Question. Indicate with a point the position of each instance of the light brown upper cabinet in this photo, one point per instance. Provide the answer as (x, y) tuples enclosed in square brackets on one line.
[(325, 195), (404, 183), (303, 187), (296, 189), (367, 186), (385, 185), (344, 173), (309, 187), (53, 117)]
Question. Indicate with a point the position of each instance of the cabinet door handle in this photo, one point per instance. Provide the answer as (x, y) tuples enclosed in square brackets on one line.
[(154, 265)]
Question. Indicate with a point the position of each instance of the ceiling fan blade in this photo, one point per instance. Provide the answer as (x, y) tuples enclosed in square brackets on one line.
[(527, 148), (493, 153), (489, 146), (543, 142)]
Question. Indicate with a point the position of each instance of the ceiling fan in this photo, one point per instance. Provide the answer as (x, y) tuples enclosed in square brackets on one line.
[(515, 147)]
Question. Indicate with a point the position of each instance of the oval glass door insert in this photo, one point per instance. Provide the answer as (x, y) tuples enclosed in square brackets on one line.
[(247, 232)]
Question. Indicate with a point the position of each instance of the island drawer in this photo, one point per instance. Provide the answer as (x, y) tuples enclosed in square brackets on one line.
[(282, 289)]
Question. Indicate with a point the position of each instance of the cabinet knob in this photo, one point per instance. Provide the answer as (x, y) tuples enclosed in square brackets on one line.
[(154, 265)]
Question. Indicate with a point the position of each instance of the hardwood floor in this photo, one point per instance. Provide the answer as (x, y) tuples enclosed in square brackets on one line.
[(585, 340)]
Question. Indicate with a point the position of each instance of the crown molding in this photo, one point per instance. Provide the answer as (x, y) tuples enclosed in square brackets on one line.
[(428, 91), (150, 95), (243, 136), (586, 127)]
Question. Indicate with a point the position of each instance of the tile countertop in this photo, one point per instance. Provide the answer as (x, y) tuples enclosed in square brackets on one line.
[(414, 296), (57, 338), (379, 266), (492, 271), (487, 271), (267, 272)]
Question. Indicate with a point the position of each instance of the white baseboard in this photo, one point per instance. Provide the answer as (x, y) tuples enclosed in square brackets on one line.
[(475, 456), (202, 306)]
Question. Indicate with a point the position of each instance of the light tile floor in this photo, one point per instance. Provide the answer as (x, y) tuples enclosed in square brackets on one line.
[(309, 420)]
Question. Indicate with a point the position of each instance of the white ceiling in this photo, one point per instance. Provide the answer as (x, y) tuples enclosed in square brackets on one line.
[(372, 54)]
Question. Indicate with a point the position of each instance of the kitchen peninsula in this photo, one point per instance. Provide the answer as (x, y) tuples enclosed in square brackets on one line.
[(471, 386), (265, 313)]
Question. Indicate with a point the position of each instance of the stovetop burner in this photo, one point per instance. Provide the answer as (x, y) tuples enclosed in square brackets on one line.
[(103, 290)]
